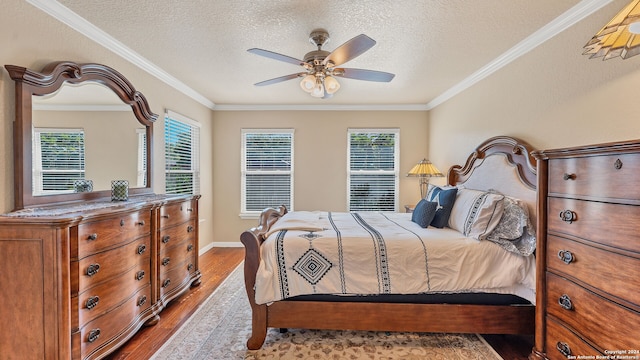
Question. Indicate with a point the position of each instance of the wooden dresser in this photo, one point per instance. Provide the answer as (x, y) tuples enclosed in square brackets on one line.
[(588, 255), (78, 280)]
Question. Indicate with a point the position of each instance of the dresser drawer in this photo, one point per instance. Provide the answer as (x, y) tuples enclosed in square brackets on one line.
[(600, 320), (596, 176), (612, 273), (610, 224), (104, 234), (104, 297), (95, 269), (176, 276), (177, 235), (176, 213), (115, 322), (177, 255), (561, 342)]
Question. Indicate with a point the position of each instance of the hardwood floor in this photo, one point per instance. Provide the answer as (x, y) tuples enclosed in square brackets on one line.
[(215, 265)]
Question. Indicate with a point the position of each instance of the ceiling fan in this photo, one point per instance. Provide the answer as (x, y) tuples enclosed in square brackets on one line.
[(321, 66)]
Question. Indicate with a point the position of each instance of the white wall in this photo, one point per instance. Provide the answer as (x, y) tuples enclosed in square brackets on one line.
[(551, 97), (320, 150)]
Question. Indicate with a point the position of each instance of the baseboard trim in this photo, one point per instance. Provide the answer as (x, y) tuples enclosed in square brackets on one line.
[(228, 244)]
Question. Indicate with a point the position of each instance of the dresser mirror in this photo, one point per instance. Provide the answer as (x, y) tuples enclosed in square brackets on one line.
[(77, 128)]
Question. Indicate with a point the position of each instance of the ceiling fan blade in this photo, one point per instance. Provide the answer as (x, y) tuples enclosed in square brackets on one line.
[(368, 75), (280, 79), (350, 50), (276, 56)]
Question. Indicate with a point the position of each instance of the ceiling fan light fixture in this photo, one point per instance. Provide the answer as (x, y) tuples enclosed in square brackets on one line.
[(331, 85), (308, 83), (318, 90)]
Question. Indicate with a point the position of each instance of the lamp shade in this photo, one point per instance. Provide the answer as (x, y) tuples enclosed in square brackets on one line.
[(619, 37), (308, 83), (331, 85), (424, 168)]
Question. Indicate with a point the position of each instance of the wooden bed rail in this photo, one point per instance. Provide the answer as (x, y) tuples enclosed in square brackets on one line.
[(252, 239)]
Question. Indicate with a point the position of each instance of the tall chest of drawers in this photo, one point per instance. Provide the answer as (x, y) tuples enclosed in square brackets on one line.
[(588, 255), (79, 280)]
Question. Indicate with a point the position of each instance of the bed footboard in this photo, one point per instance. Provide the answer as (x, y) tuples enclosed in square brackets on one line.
[(252, 239)]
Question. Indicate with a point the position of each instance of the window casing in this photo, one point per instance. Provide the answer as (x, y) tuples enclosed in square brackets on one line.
[(59, 160), (142, 158), (372, 169), (267, 170), (182, 154)]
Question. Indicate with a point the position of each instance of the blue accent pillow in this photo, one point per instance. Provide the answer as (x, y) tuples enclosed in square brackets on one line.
[(444, 197), (424, 213)]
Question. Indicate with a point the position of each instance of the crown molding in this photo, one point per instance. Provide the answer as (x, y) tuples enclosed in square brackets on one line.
[(575, 14), (570, 17), (84, 27), (335, 107)]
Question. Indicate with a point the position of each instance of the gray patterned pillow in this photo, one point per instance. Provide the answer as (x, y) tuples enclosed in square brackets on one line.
[(424, 213), (515, 232)]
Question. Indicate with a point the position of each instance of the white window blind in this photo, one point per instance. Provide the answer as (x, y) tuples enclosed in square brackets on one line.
[(372, 168), (267, 169), (182, 154), (59, 159)]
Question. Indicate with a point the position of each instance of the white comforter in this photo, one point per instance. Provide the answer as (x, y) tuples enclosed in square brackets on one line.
[(382, 253)]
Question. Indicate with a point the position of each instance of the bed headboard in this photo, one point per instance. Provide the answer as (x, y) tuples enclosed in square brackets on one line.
[(503, 164)]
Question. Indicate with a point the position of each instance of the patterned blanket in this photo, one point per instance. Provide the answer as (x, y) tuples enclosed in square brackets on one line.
[(382, 253)]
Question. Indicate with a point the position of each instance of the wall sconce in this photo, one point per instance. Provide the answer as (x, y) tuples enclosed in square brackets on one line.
[(620, 37), (424, 170)]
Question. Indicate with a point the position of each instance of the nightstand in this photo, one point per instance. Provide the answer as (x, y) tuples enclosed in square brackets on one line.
[(409, 208)]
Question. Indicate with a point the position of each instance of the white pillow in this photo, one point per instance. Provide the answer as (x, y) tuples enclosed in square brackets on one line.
[(476, 213)]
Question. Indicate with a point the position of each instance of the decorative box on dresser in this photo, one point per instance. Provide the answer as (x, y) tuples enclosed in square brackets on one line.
[(588, 254), (78, 280)]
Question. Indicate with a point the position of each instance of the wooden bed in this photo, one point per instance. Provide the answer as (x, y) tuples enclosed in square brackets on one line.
[(500, 163)]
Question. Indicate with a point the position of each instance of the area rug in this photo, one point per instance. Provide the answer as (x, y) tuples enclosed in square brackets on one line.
[(220, 327)]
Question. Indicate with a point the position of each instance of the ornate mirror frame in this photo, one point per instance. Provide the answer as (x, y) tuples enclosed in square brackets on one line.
[(48, 81)]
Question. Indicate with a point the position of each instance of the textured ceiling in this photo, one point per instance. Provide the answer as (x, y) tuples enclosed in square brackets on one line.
[(431, 45)]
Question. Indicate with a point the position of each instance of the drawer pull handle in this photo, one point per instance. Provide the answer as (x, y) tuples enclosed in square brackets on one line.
[(565, 302), (166, 261), (166, 283), (190, 228), (564, 348), (141, 249), (568, 216), (121, 222), (93, 335), (166, 238), (142, 300), (189, 247), (92, 302), (140, 275), (569, 176), (190, 267), (165, 216), (92, 237), (566, 256), (141, 223), (617, 164), (189, 209), (93, 269)]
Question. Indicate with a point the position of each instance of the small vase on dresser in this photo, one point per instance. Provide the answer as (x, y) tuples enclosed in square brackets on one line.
[(588, 255)]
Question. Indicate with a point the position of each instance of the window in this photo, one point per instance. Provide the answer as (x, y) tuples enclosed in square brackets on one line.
[(267, 170), (372, 182), (182, 154), (58, 159)]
